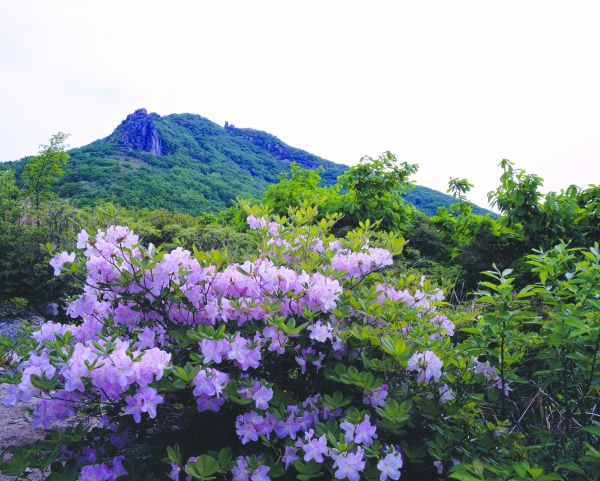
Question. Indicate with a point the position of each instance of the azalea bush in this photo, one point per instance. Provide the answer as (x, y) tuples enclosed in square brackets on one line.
[(304, 361)]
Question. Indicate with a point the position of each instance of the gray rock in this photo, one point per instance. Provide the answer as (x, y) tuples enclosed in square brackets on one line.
[(138, 132), (49, 310)]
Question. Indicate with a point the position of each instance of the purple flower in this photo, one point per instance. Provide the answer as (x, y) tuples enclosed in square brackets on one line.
[(12, 395), (350, 465), (289, 456), (365, 432), (315, 449), (262, 397), (427, 364), (390, 466), (212, 350), (145, 400), (349, 428), (320, 332), (206, 403), (241, 471), (260, 474), (377, 397), (251, 425), (289, 427), (60, 260)]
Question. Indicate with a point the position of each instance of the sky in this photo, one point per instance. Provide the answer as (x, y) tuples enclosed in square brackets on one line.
[(454, 86)]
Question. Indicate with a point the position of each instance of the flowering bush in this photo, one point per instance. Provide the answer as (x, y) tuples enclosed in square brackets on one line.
[(303, 361)]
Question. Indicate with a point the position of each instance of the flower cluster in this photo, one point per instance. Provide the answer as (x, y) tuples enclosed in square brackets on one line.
[(156, 327)]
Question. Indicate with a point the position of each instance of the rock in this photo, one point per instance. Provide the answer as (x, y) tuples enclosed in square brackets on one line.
[(49, 310), (138, 132)]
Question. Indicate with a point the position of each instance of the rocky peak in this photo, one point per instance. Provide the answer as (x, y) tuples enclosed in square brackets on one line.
[(138, 132)]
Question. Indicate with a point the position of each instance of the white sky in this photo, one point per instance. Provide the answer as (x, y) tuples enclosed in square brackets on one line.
[(455, 86)]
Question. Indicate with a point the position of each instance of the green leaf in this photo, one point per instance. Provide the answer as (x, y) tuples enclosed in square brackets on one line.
[(203, 467), (464, 476), (299, 465), (570, 466), (595, 430)]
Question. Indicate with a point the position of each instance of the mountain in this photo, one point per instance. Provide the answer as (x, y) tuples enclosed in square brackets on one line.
[(185, 162)]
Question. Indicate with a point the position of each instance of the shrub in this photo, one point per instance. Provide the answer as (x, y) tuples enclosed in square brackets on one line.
[(304, 361)]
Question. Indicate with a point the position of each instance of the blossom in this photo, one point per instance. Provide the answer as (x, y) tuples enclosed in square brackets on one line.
[(145, 400), (212, 350), (241, 471), (377, 397), (12, 395), (60, 260), (251, 425), (320, 332), (262, 397), (349, 465), (427, 364), (390, 466), (289, 456), (365, 432), (349, 428), (260, 473), (314, 448), (446, 394)]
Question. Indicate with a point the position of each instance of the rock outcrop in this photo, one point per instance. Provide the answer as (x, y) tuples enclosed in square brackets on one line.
[(138, 132)]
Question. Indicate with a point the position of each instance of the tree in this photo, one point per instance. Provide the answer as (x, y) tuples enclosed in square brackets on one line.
[(374, 191), (459, 188), (46, 168), (298, 186)]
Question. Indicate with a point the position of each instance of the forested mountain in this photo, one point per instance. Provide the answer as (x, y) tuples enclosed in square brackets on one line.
[(185, 162)]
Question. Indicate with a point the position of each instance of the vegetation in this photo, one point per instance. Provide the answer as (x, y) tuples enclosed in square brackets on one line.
[(47, 168), (208, 168), (329, 331)]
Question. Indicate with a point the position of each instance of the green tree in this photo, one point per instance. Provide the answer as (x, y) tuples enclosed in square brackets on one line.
[(458, 188), (301, 185), (46, 168), (570, 215), (374, 191)]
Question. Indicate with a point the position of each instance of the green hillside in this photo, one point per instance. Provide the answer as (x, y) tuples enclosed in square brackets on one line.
[(186, 163), (428, 200)]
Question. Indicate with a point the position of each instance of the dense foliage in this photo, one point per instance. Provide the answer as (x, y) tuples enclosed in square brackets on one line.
[(27, 232), (313, 362), (47, 168), (208, 167), (307, 336)]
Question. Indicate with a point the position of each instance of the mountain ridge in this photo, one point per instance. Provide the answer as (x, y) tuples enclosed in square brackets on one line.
[(185, 162)]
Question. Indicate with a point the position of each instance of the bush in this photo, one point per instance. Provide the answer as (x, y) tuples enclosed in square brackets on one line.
[(302, 362)]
